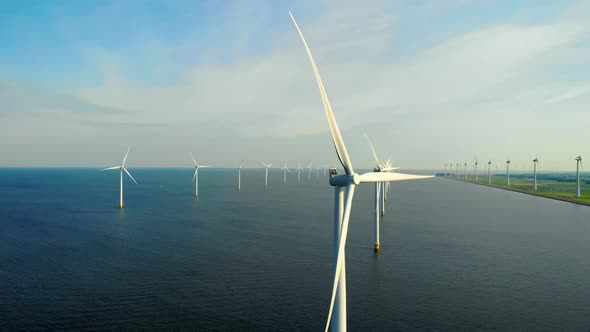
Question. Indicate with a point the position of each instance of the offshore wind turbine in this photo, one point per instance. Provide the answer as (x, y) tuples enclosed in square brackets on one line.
[(465, 172), (445, 169), (535, 163), (196, 176), (342, 206), (310, 164), (240, 176), (285, 169), (299, 172), (578, 165), (489, 171), (508, 171), (121, 168), (266, 173), (457, 174)]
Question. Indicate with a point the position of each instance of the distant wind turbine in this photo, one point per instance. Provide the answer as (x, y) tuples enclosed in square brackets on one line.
[(508, 171), (240, 176), (465, 172), (285, 169), (342, 206), (489, 171), (299, 172), (266, 173), (310, 165), (121, 168), (475, 168), (535, 163), (578, 165), (196, 176)]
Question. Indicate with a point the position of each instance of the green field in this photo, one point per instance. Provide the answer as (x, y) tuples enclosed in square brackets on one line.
[(561, 190)]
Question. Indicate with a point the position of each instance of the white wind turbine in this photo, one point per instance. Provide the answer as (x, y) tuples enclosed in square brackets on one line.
[(475, 168), (535, 164), (578, 165), (266, 173), (121, 168), (310, 165), (489, 171), (445, 169), (457, 174), (285, 169), (508, 171), (240, 176), (343, 207), (196, 176), (299, 172)]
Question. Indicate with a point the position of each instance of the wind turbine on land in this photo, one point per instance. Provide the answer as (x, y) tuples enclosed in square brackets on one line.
[(578, 165), (121, 168), (343, 207), (489, 171), (465, 172), (266, 173), (508, 171), (285, 169), (535, 163), (475, 168), (196, 176)]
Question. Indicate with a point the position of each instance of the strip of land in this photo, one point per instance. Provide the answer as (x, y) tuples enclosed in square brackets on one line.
[(559, 190)]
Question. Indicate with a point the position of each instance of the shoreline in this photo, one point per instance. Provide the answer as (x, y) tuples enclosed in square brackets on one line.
[(532, 193)]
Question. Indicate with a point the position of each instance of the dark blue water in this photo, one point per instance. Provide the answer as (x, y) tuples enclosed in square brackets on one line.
[(454, 256)]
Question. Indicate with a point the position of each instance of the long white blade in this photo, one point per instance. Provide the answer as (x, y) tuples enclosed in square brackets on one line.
[(204, 166), (126, 171), (389, 169), (341, 246), (379, 163), (386, 177), (195, 176), (109, 168), (194, 161), (124, 159), (336, 137)]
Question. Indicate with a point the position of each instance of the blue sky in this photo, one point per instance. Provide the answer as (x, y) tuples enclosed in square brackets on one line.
[(431, 82)]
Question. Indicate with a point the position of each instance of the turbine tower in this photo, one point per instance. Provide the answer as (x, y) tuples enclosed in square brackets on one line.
[(240, 176), (457, 174), (342, 206), (196, 176), (309, 173), (475, 168), (445, 169), (285, 169), (465, 172), (508, 171), (490, 171), (121, 168), (299, 172), (578, 165), (266, 173), (535, 163)]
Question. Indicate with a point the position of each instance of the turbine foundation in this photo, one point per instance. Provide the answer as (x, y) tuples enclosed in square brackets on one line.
[(120, 206), (377, 246)]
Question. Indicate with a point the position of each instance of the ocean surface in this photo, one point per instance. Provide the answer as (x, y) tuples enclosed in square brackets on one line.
[(454, 256)]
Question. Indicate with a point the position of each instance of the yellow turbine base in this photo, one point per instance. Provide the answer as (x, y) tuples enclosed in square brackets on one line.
[(120, 206), (377, 246), (382, 213)]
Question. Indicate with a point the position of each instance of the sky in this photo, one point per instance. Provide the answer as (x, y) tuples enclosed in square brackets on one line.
[(430, 82)]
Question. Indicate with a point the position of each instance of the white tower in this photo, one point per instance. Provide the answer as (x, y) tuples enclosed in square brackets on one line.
[(508, 172), (535, 163), (578, 165)]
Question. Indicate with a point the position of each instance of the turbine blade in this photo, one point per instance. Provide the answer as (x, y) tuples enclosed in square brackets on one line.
[(125, 158), (194, 161), (109, 168), (336, 137), (386, 177), (126, 171), (195, 176), (341, 246), (379, 164)]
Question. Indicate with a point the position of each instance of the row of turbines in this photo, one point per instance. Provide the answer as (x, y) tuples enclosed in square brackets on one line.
[(285, 170), (344, 186), (578, 160)]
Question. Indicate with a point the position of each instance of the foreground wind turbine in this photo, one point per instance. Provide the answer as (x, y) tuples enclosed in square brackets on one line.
[(508, 171), (285, 169), (578, 165), (196, 176), (535, 163), (489, 171), (121, 168), (266, 173), (299, 172), (343, 206)]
